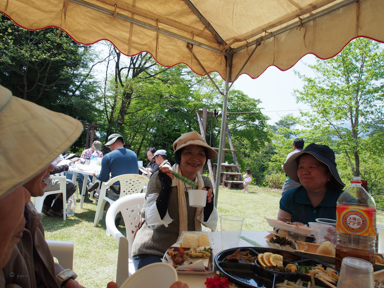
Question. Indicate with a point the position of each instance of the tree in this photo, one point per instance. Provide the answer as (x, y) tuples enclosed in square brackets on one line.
[(346, 98), (48, 68)]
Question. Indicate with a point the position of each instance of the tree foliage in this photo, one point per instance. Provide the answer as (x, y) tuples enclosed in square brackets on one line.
[(346, 98), (48, 68)]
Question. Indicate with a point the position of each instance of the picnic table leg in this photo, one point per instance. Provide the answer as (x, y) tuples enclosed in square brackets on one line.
[(74, 181), (83, 190)]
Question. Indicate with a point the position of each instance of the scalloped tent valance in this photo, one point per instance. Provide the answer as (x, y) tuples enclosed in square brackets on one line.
[(204, 33)]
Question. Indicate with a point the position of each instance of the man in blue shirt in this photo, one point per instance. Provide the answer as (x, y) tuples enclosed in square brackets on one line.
[(117, 162)]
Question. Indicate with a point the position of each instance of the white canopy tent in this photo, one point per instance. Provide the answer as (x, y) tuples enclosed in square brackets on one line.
[(231, 37)]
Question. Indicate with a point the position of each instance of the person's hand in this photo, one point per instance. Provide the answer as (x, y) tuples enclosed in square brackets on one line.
[(167, 171), (179, 284), (298, 224), (73, 284), (94, 174), (209, 194)]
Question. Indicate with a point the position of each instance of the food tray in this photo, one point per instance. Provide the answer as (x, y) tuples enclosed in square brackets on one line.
[(312, 249), (193, 265), (253, 275)]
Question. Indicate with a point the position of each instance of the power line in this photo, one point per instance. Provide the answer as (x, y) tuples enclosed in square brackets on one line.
[(298, 110)]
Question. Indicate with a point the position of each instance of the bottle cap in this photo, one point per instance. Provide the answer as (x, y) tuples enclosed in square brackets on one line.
[(356, 180)]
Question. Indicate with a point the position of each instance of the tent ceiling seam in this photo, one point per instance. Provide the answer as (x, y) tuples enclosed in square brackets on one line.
[(149, 26), (190, 48), (281, 21), (206, 23), (294, 25)]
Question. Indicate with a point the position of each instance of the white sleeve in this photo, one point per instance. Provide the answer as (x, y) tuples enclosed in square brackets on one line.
[(152, 216), (212, 220)]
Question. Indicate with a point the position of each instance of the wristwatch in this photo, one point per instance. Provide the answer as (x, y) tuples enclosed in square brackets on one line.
[(64, 276)]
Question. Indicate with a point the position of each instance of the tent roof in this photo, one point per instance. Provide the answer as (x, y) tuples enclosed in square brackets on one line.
[(208, 31)]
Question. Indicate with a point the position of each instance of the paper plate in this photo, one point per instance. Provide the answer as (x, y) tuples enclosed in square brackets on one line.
[(301, 230)]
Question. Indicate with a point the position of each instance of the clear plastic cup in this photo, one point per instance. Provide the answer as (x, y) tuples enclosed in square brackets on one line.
[(231, 227), (355, 273), (326, 230)]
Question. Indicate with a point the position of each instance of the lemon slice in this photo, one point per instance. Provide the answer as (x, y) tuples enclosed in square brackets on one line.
[(261, 261), (266, 257), (276, 260), (291, 267)]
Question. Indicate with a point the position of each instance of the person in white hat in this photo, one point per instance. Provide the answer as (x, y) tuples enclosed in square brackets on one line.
[(167, 212), (35, 136), (161, 158)]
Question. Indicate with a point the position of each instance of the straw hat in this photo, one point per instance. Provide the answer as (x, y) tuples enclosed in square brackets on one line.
[(193, 138), (322, 153), (31, 138)]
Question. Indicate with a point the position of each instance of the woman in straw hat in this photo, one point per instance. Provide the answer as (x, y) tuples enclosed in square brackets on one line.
[(315, 169), (32, 138), (167, 212)]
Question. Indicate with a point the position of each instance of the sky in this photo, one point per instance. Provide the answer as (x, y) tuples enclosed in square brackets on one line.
[(275, 89)]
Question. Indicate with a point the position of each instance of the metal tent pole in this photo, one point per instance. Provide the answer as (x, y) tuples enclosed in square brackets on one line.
[(223, 128)]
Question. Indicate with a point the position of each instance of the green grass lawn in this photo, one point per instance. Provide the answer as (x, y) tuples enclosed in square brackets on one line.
[(96, 253)]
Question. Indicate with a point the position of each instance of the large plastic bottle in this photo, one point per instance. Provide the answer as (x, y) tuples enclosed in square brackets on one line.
[(94, 157), (356, 224)]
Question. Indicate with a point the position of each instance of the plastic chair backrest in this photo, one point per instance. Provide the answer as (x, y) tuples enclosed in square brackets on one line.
[(131, 184), (63, 251), (39, 201), (130, 207)]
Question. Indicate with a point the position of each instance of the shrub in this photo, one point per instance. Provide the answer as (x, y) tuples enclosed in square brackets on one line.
[(275, 180)]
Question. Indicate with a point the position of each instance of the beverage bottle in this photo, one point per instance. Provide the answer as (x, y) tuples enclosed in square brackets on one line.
[(356, 224), (94, 157), (71, 206)]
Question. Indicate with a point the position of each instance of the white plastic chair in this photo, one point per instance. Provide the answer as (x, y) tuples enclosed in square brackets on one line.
[(63, 252), (129, 206), (129, 184), (39, 201), (159, 275)]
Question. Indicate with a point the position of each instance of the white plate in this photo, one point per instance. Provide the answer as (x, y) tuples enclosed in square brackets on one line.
[(301, 230), (161, 276)]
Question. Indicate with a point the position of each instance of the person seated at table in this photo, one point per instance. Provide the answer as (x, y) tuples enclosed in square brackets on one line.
[(117, 162), (315, 169), (86, 154), (166, 211), (53, 203), (34, 137), (161, 158), (152, 166)]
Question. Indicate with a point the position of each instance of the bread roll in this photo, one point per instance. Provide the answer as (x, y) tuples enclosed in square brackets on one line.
[(203, 240), (189, 240), (326, 248)]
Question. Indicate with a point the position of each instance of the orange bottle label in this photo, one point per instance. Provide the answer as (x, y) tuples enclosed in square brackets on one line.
[(357, 220)]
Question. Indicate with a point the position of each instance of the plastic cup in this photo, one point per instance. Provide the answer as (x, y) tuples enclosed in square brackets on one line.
[(197, 198), (355, 273), (231, 227), (380, 230)]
